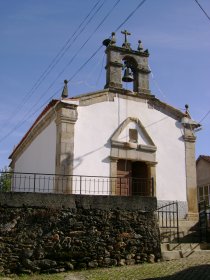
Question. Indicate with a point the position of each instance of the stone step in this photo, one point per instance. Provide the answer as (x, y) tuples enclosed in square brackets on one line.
[(188, 232), (184, 225), (175, 255), (188, 223), (168, 237), (174, 251), (185, 246)]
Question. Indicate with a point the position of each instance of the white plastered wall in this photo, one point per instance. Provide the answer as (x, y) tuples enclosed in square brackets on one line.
[(95, 125), (39, 156)]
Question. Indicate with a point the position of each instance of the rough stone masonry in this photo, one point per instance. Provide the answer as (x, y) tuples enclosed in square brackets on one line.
[(89, 232)]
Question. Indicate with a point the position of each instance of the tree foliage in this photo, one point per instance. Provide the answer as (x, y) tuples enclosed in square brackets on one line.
[(5, 179)]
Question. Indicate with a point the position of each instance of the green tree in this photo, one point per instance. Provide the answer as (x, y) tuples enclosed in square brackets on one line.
[(5, 179)]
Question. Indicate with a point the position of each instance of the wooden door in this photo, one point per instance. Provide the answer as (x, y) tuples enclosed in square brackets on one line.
[(140, 175), (124, 173)]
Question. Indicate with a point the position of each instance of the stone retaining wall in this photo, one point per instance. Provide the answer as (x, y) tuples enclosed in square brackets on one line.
[(84, 235)]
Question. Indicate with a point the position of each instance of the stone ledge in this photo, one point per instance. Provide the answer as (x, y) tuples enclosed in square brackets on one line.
[(18, 199)]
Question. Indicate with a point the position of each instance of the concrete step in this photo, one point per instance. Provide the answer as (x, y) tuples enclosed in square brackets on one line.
[(188, 232), (184, 246), (174, 251), (167, 236), (175, 255), (188, 223)]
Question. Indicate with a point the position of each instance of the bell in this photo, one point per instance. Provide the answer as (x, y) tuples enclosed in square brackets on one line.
[(128, 75)]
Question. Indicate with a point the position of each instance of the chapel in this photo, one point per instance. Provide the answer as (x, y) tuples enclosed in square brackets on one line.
[(116, 141)]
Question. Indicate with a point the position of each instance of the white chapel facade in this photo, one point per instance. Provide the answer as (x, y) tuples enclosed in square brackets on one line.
[(116, 133)]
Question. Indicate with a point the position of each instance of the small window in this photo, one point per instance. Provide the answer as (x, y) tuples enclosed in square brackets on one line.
[(133, 135)]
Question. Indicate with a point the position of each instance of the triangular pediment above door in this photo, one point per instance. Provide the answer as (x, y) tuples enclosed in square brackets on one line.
[(131, 134)]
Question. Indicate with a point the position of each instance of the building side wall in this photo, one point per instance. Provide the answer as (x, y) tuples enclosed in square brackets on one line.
[(203, 173), (96, 124), (39, 156)]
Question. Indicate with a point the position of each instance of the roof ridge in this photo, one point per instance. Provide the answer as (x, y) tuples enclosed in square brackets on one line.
[(205, 157)]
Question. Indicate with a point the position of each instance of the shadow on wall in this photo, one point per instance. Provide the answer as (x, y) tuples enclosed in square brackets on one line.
[(193, 273), (78, 161)]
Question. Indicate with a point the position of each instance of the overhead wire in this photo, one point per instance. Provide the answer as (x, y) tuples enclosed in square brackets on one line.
[(99, 48), (205, 116), (83, 65), (66, 46), (85, 43), (106, 16), (199, 5), (51, 85), (156, 83), (31, 115), (100, 72), (57, 58), (130, 15), (98, 9)]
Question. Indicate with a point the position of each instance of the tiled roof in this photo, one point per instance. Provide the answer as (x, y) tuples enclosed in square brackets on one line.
[(46, 109), (207, 158)]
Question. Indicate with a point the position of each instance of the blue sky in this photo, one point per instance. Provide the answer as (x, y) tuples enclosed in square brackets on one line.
[(176, 32)]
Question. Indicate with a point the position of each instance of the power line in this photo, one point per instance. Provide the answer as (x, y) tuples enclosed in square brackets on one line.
[(130, 15), (127, 18), (202, 9), (56, 59), (31, 115), (75, 38), (156, 83), (106, 16), (65, 46), (84, 44), (50, 86), (117, 2), (204, 117), (81, 67), (71, 61)]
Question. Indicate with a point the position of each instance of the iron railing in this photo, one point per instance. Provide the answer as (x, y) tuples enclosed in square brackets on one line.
[(168, 219), (204, 221), (75, 184)]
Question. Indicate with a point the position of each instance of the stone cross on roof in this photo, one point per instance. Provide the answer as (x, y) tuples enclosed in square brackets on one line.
[(126, 44)]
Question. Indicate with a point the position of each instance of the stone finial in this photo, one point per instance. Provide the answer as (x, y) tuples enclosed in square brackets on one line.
[(146, 52), (65, 90), (113, 39), (140, 46), (187, 110), (107, 42), (126, 44)]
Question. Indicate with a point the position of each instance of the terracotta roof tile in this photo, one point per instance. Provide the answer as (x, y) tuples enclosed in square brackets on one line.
[(207, 158)]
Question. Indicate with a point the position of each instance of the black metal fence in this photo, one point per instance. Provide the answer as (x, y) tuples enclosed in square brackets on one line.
[(168, 219), (76, 184), (204, 221)]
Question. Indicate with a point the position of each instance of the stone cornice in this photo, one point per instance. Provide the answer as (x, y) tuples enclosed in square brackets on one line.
[(166, 108), (114, 63), (143, 69), (134, 146), (68, 115), (189, 138), (109, 94), (126, 51)]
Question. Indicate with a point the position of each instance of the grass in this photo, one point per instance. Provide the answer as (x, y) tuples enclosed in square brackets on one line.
[(137, 272)]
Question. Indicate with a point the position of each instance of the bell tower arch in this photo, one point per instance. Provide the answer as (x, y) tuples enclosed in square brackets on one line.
[(133, 62)]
